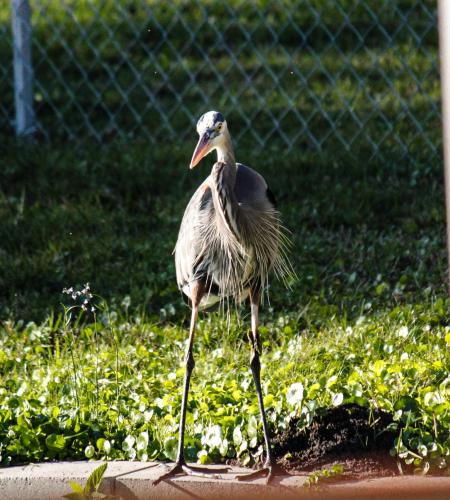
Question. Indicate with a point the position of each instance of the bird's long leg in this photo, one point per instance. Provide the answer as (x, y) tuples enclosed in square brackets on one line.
[(255, 365), (180, 467)]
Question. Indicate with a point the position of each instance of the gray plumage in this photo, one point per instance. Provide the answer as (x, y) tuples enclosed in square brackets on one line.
[(230, 238), (231, 235)]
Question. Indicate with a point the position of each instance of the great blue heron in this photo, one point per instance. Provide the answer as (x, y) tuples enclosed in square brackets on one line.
[(230, 238)]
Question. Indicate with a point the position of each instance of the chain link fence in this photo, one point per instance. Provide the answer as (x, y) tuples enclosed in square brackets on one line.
[(320, 75)]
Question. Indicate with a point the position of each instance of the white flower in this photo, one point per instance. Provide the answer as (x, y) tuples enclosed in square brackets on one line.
[(403, 332), (128, 443), (142, 441), (337, 399), (294, 394), (213, 436)]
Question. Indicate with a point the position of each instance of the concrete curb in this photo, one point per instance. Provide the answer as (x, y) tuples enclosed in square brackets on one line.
[(133, 480)]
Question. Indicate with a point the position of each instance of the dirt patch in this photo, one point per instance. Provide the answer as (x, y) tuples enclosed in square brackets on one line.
[(351, 435)]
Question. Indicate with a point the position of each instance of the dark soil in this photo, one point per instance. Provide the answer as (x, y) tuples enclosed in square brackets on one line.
[(351, 435)]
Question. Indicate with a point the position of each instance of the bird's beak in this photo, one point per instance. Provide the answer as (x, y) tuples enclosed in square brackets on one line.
[(201, 150)]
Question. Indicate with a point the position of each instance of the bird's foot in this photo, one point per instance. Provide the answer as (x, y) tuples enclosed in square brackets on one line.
[(269, 471), (190, 470)]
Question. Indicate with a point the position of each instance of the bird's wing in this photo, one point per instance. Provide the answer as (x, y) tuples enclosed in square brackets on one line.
[(251, 188), (204, 250), (190, 243), (261, 226)]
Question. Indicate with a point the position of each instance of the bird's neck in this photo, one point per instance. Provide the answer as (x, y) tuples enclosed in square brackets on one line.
[(225, 152), (223, 176)]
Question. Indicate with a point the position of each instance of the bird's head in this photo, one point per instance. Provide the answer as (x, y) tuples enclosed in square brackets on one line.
[(212, 129)]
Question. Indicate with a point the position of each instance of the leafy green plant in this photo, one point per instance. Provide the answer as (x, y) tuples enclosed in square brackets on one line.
[(58, 402), (320, 476), (90, 490)]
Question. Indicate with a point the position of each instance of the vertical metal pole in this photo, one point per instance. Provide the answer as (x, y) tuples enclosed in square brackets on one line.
[(23, 70), (444, 51)]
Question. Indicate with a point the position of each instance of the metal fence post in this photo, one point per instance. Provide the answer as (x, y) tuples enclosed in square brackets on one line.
[(23, 70), (444, 51)]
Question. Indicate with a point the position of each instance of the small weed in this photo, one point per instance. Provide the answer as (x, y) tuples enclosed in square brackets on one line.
[(320, 476), (90, 490)]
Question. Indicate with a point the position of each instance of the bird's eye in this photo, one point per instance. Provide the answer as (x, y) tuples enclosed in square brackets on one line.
[(219, 127)]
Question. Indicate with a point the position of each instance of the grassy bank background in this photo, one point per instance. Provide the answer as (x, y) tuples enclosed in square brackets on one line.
[(366, 322)]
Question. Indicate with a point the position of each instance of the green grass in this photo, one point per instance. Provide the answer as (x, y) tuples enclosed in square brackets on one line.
[(111, 218), (366, 322), (353, 72)]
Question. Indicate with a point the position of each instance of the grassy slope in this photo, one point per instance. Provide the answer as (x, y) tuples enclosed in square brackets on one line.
[(367, 318), (369, 251), (336, 64)]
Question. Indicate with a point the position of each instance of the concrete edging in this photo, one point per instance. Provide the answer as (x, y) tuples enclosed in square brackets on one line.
[(133, 480)]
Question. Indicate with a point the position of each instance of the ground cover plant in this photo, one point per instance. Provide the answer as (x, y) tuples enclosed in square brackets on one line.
[(366, 323)]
